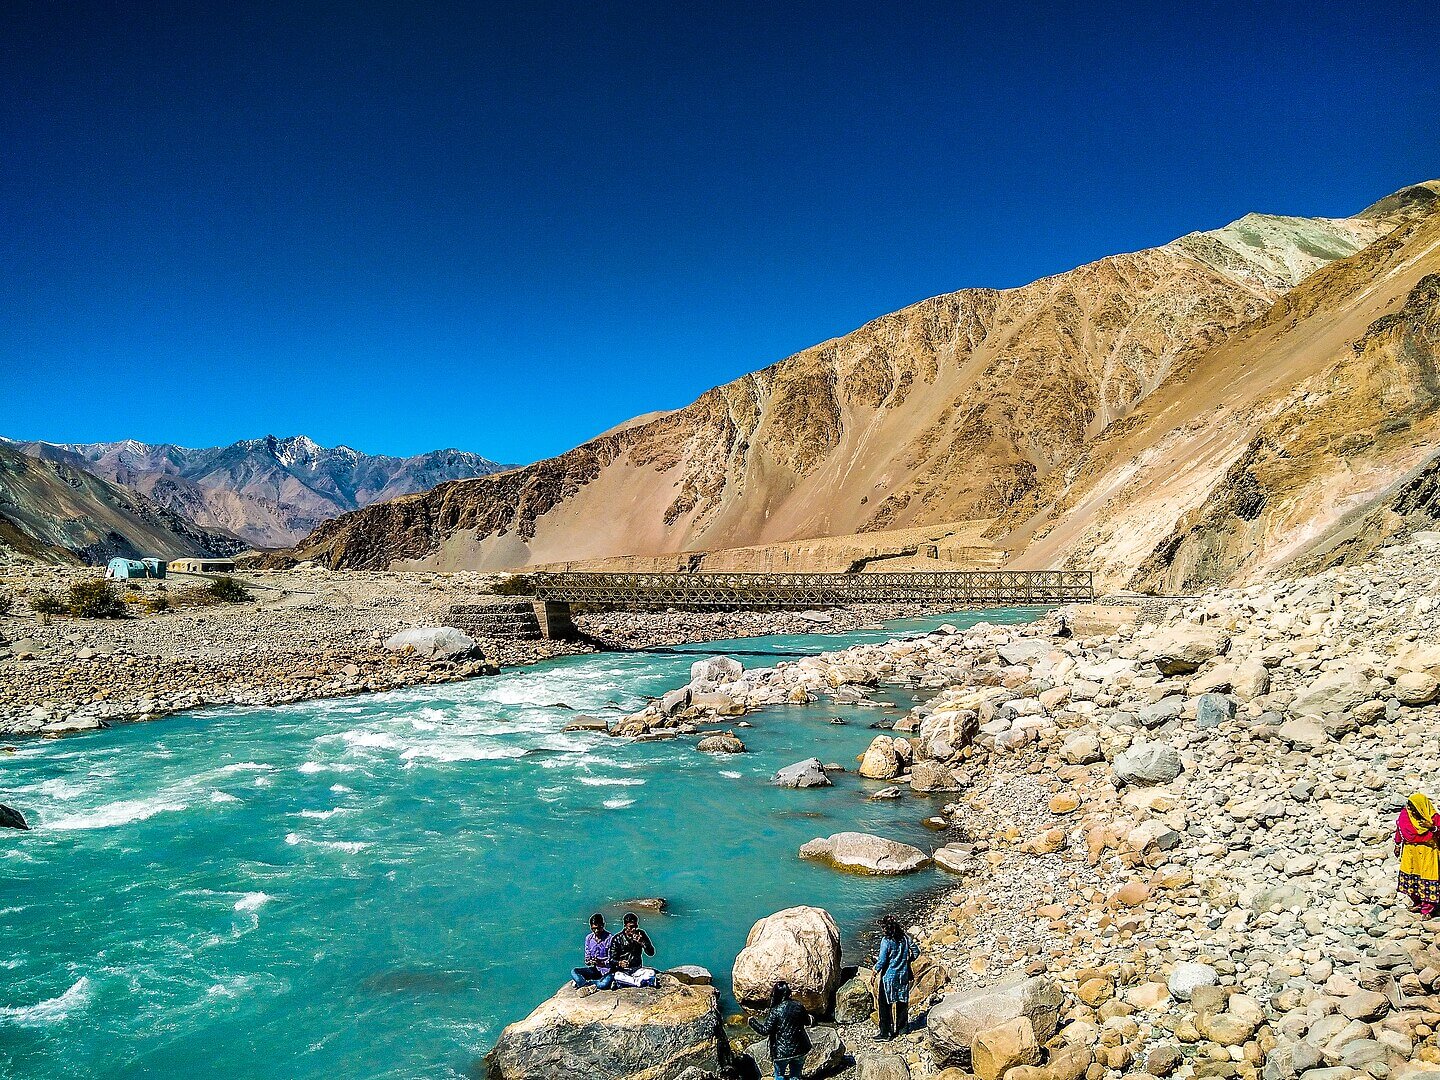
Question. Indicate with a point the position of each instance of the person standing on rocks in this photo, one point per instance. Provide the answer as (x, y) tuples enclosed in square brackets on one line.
[(1416, 831), (893, 965), (784, 1025), (596, 970), (626, 949)]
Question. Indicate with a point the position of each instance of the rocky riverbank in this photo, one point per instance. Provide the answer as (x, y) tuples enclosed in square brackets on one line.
[(303, 634), (1171, 842)]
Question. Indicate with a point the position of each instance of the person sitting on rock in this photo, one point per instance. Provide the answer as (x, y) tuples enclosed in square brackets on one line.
[(893, 965), (626, 948), (596, 970), (1416, 831), (784, 1025)]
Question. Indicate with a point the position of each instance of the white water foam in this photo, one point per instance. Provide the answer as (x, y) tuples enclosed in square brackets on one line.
[(461, 752), (375, 740), (316, 766), (246, 766), (321, 815), (611, 781), (117, 813), (252, 901), (223, 796), (730, 775), (350, 847), (52, 1010), (60, 789), (619, 804)]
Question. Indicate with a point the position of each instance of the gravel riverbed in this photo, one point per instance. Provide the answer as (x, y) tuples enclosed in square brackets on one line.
[(1170, 839)]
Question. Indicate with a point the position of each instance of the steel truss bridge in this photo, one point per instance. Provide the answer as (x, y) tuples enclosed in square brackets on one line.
[(701, 590)]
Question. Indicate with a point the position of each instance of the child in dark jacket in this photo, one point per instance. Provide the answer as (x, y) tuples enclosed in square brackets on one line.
[(784, 1025)]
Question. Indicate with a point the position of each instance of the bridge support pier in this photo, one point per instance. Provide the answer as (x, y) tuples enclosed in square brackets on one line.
[(554, 619)]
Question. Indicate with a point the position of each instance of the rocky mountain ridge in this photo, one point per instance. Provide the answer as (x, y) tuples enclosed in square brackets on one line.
[(270, 491), (54, 511), (1029, 406)]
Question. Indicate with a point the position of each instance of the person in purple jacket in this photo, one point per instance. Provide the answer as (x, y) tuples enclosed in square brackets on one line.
[(596, 971)]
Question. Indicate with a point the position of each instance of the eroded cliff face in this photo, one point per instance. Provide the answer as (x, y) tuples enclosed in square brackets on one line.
[(1276, 445), (1033, 406)]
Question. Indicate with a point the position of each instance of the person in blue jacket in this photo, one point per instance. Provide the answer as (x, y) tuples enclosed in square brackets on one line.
[(897, 954)]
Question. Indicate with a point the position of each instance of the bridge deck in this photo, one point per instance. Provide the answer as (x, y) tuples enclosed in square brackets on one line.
[(964, 588)]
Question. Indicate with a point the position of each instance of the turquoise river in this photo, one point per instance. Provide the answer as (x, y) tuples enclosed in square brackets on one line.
[(375, 886)]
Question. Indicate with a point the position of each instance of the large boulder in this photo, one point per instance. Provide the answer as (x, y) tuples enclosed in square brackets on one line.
[(1180, 650), (800, 945), (716, 669), (865, 853), (854, 1002), (432, 643), (1147, 763), (953, 1024), (11, 818), (998, 1049), (1416, 688), (803, 774), (881, 760), (926, 776), (642, 1034), (1335, 692), (827, 1053), (944, 734)]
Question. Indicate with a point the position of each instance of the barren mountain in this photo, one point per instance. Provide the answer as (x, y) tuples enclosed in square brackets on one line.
[(270, 492), (56, 511), (1039, 407)]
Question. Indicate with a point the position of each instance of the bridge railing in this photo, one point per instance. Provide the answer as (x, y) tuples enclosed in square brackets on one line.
[(966, 588)]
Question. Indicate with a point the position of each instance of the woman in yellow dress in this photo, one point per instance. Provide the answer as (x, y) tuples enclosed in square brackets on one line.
[(1415, 842)]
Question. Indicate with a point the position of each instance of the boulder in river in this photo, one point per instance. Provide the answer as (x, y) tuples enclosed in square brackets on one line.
[(584, 722), (800, 945), (865, 853), (803, 774), (11, 818), (720, 744), (717, 669), (432, 643), (880, 761), (640, 1034)]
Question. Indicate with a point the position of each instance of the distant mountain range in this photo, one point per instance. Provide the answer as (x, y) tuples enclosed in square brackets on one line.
[(56, 511), (267, 492)]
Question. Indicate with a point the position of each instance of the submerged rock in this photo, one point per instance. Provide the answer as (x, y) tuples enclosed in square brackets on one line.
[(720, 744), (800, 945), (865, 853), (641, 1034), (11, 818)]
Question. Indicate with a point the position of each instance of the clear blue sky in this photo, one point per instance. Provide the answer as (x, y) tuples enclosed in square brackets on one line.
[(508, 227)]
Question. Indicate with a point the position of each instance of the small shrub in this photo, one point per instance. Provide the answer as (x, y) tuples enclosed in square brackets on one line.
[(95, 599), (157, 603), (515, 585), (46, 603), (227, 590)]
